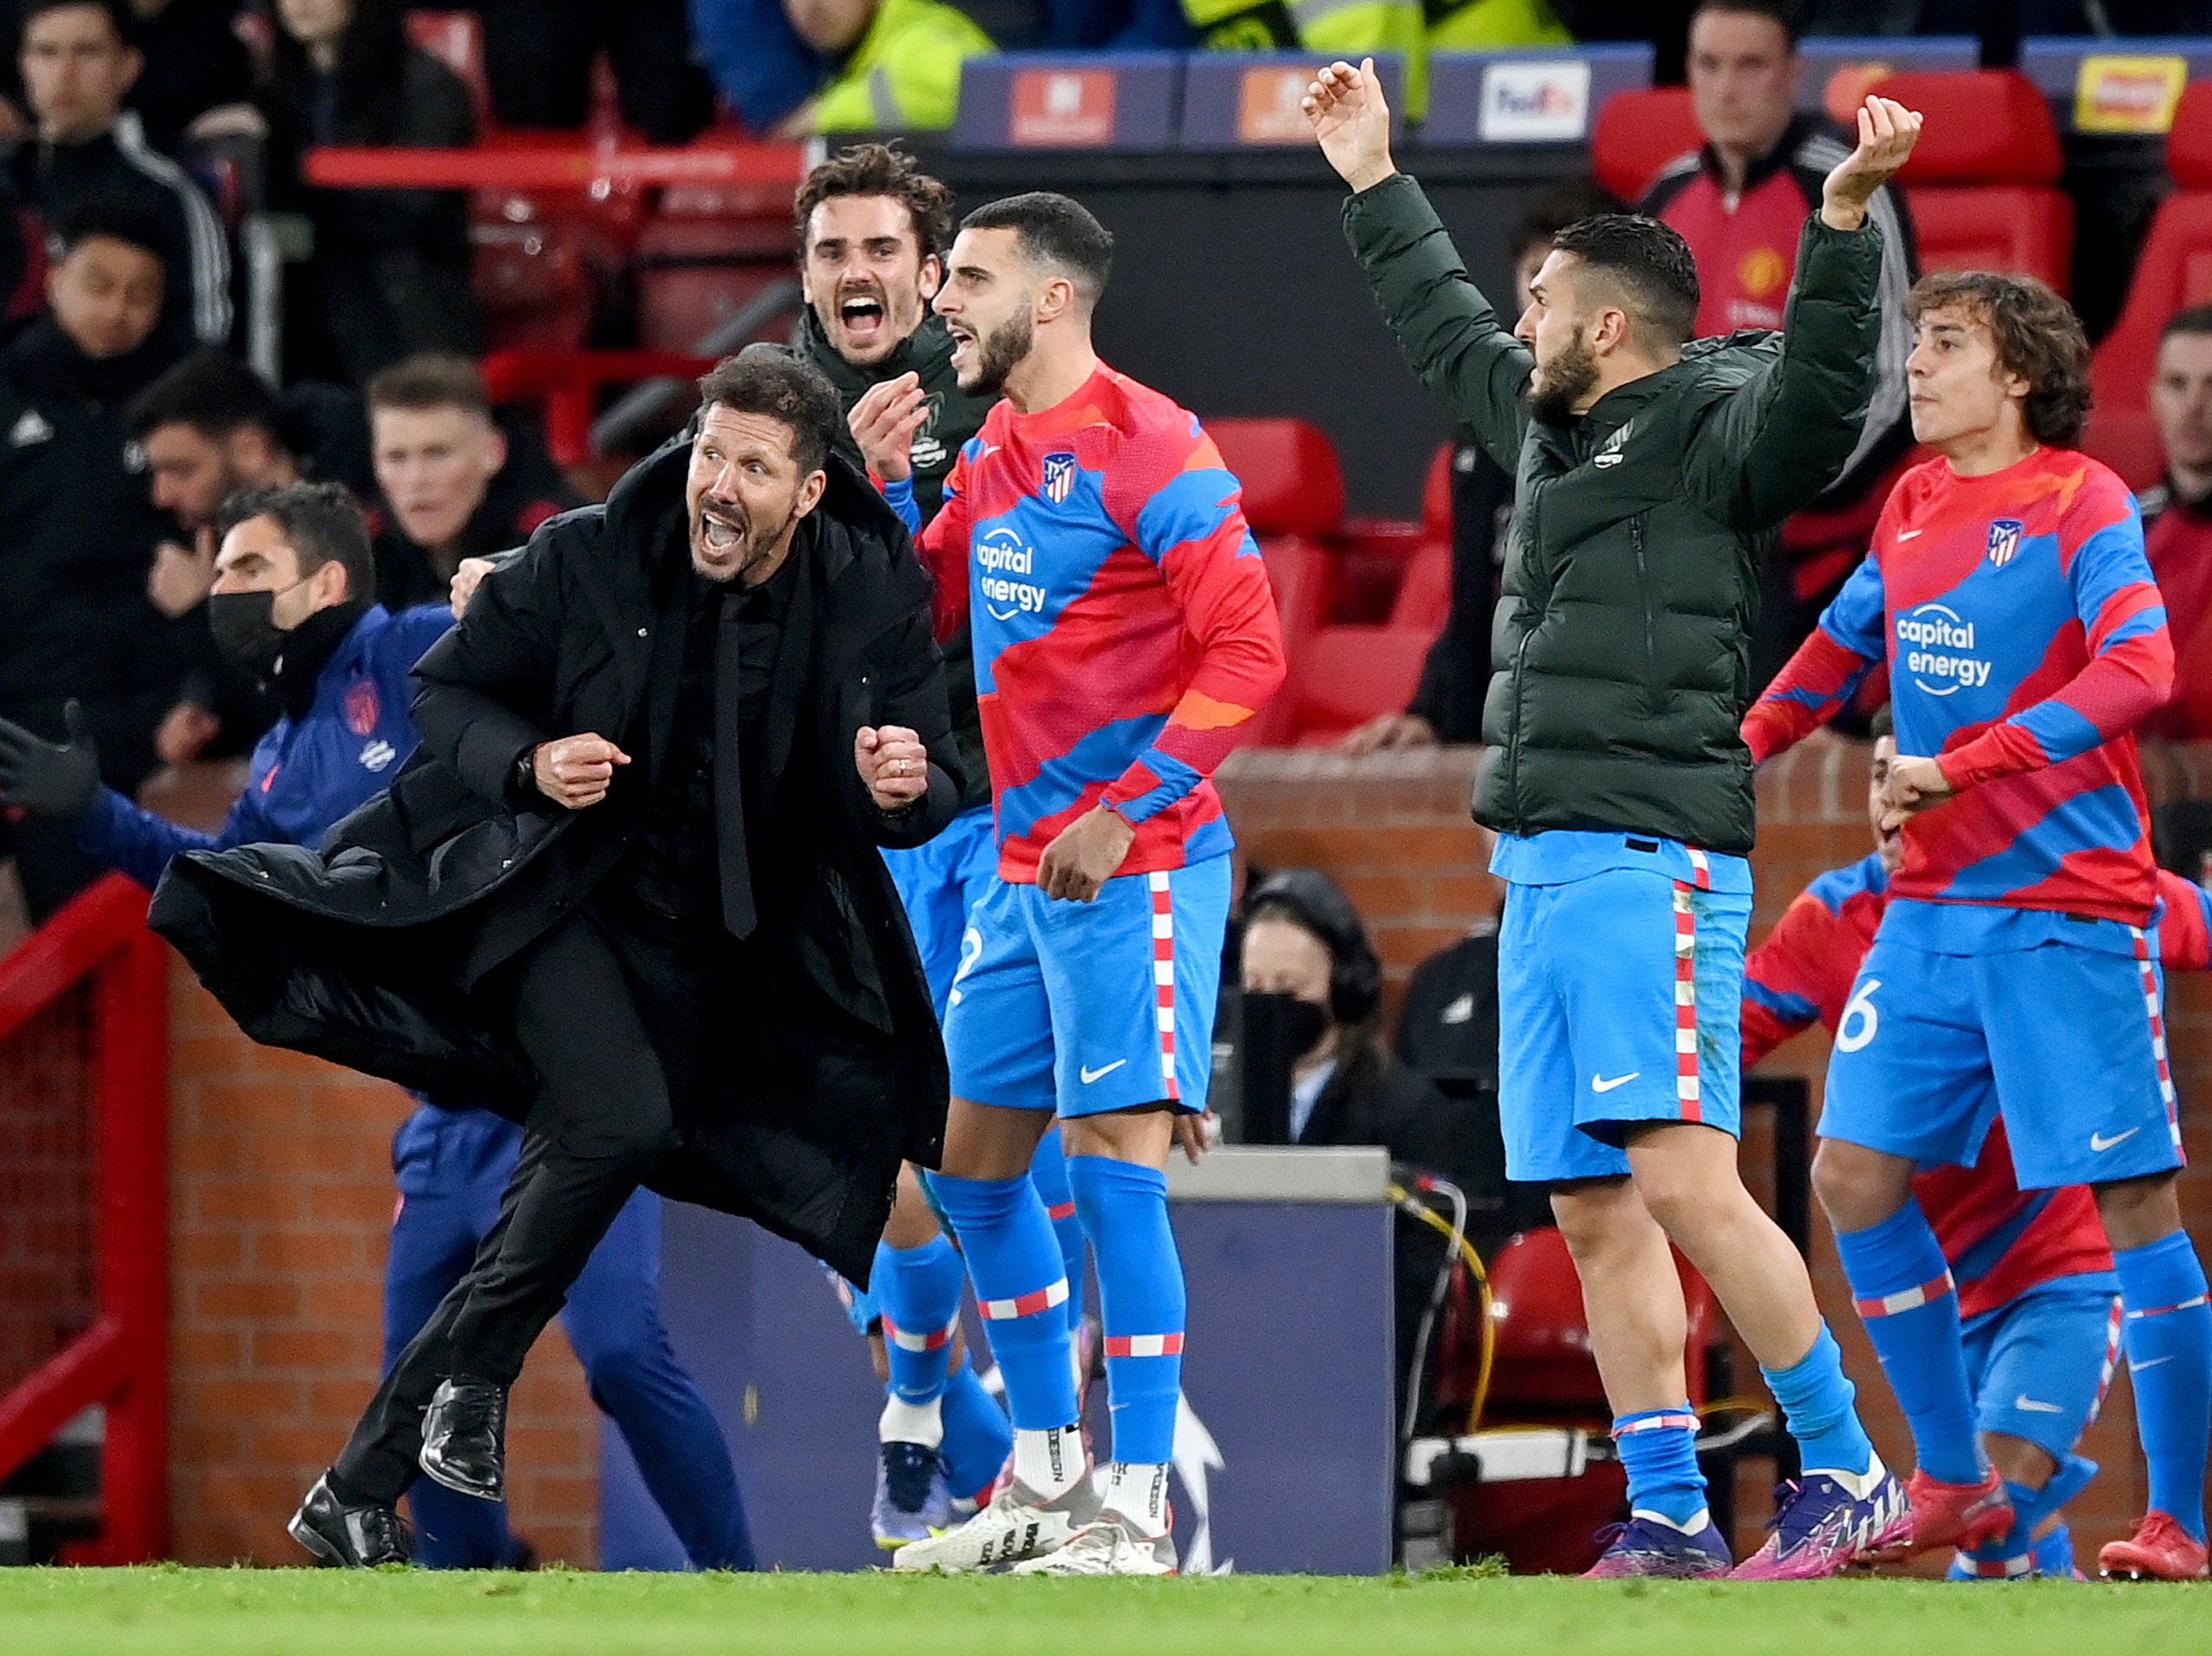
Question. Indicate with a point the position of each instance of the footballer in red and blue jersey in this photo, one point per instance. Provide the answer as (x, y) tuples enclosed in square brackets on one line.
[(2007, 593), (2023, 637), (1125, 637)]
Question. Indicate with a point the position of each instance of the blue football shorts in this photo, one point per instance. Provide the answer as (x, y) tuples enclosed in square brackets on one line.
[(938, 883), (2040, 1365), (2067, 1040), (1088, 1007), (1620, 1002)]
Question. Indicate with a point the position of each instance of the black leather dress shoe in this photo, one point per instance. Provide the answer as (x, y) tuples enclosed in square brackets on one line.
[(356, 1537), (464, 1438)]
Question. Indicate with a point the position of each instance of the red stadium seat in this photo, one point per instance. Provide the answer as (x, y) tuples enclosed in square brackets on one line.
[(1983, 182), (1344, 676), (1425, 595), (2173, 270), (1292, 481), (1436, 495), (1638, 133)]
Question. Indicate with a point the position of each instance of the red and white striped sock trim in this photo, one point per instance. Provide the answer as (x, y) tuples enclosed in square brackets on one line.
[(1889, 1305), (1686, 1004), (1999, 1569), (1064, 1210), (1655, 1422), (2153, 1005), (2112, 1327), (937, 1339), (1163, 976), (1028, 1305), (1144, 1345), (1700, 869)]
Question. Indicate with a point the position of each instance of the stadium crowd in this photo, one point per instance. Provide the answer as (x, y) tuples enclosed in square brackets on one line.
[(272, 562)]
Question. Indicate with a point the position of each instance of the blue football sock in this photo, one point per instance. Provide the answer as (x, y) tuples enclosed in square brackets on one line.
[(918, 1289), (1014, 1261), (2168, 1334), (1140, 1299), (2054, 1555), (1905, 1296), (1658, 1449), (977, 1435), (1816, 1401), (1049, 1172)]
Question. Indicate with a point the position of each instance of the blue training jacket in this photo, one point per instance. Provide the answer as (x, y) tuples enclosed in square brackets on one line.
[(307, 773)]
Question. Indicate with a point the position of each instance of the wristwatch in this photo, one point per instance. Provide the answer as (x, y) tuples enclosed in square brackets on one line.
[(522, 781)]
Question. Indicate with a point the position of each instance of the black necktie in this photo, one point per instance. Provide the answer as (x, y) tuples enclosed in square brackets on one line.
[(738, 915)]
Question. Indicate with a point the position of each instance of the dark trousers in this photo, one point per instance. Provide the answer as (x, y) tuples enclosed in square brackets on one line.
[(537, 57), (457, 1164), (603, 1117)]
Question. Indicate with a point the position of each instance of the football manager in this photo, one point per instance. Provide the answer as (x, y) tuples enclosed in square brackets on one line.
[(628, 891)]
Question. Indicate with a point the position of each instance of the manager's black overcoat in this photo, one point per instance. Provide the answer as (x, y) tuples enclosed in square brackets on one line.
[(374, 951)]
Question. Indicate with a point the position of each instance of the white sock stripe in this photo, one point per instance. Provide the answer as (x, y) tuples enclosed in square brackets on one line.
[(1028, 1305)]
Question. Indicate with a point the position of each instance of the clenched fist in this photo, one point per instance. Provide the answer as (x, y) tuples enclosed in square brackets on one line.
[(575, 771), (893, 763)]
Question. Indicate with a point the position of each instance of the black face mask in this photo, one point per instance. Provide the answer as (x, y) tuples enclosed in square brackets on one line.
[(1295, 1026), (246, 632)]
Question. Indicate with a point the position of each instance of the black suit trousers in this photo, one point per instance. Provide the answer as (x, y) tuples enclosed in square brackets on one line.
[(603, 1118)]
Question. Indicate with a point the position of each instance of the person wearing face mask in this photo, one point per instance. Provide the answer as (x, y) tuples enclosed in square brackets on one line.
[(1307, 952), (290, 609), (627, 893), (78, 528)]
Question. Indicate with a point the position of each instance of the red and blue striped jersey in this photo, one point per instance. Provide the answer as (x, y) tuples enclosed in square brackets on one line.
[(1124, 630), (2000, 1242), (2024, 638)]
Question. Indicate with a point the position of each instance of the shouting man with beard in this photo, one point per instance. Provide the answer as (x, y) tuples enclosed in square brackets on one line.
[(628, 892), (1650, 473)]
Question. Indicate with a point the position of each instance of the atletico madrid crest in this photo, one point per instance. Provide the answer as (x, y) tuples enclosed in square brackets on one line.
[(1059, 477), (2004, 540)]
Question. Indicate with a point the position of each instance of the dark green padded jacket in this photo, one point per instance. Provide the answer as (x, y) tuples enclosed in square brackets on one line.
[(1620, 655)]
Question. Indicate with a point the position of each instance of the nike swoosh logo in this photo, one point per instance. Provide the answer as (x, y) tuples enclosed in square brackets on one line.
[(2100, 1144), (1091, 1075), (2024, 1401), (2137, 1368), (1599, 1084), (1910, 534)]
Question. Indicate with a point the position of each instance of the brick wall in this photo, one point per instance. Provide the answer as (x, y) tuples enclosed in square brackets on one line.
[(281, 1202), (1393, 829)]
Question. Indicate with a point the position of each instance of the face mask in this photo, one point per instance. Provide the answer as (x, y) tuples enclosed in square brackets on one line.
[(245, 630), (1293, 1026)]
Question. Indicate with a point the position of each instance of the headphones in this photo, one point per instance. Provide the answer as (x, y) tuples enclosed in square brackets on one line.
[(1313, 900)]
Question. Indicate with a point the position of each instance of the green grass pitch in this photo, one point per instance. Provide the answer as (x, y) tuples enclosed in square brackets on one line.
[(242, 1613)]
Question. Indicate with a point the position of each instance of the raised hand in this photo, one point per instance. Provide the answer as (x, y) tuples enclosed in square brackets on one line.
[(884, 422), (1351, 122), (1888, 132)]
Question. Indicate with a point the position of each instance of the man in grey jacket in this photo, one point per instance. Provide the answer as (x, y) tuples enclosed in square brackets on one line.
[(1650, 471)]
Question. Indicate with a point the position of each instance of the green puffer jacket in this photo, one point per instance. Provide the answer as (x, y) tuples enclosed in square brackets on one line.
[(1621, 657)]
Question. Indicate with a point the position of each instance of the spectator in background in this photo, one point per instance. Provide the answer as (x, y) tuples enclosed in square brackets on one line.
[(538, 54), (895, 64), (391, 272), (76, 529), (79, 59), (209, 430), (2177, 519), (198, 79), (1447, 705), (1740, 202), (757, 61), (1118, 25), (1303, 940), (454, 485)]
